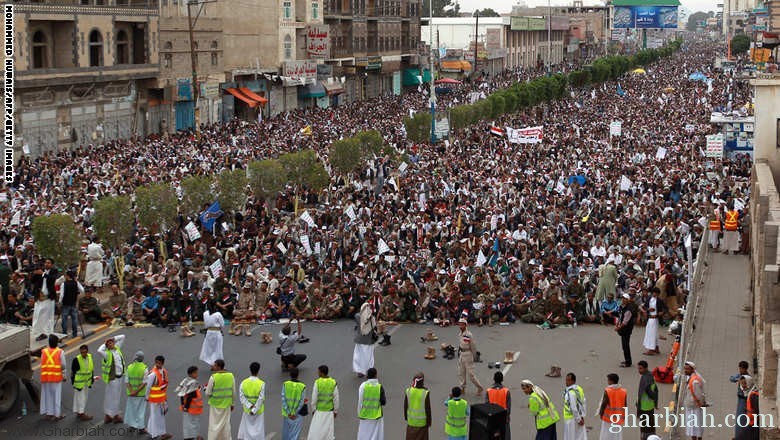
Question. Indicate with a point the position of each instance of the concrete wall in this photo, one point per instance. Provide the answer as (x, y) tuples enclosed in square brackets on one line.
[(767, 95)]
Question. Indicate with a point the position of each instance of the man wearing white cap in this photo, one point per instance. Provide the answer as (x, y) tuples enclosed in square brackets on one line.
[(467, 352), (695, 401)]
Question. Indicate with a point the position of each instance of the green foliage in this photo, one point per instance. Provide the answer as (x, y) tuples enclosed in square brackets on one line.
[(496, 102), (156, 206), (57, 237), (231, 185), (197, 192), (740, 44), (345, 155), (579, 78), (266, 177), (370, 142), (418, 127), (486, 12), (304, 169), (114, 220)]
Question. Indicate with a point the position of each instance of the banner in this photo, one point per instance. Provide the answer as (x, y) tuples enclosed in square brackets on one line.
[(210, 216), (528, 135), (615, 128), (317, 41), (645, 17), (714, 146)]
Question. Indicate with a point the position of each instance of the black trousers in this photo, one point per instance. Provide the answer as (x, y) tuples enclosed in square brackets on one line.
[(625, 341), (294, 359)]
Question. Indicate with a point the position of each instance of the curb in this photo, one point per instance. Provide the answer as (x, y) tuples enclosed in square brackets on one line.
[(87, 334)]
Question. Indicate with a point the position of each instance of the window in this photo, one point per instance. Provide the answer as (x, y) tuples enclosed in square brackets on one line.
[(214, 44), (287, 47), (122, 48), (95, 49), (168, 45), (287, 5), (167, 61), (214, 59), (315, 10), (40, 51)]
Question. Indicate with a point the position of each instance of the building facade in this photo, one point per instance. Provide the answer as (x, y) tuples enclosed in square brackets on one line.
[(84, 69)]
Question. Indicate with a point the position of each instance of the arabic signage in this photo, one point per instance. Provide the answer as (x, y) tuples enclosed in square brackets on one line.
[(317, 41), (527, 23), (714, 146), (374, 63), (300, 70), (493, 38), (645, 17)]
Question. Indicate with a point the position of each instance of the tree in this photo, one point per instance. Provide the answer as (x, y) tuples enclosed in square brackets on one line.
[(304, 169), (487, 12), (114, 220), (231, 185), (371, 142), (156, 206), (197, 192), (266, 177), (345, 155), (740, 44), (418, 127), (694, 19), (57, 237), (441, 8)]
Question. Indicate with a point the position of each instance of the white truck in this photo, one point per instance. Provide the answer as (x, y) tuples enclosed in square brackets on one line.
[(15, 368)]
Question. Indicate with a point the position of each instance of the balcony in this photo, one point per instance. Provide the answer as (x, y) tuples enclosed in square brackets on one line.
[(91, 7), (80, 75)]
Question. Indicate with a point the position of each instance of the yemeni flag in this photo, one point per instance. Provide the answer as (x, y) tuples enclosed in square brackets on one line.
[(496, 130)]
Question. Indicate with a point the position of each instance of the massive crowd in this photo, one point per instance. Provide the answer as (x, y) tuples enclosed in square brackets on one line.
[(566, 226)]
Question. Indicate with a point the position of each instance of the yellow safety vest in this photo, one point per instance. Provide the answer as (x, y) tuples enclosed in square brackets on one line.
[(455, 424), (222, 391), (370, 407), (415, 409), (251, 387), (326, 386), (293, 393), (567, 414), (545, 416)]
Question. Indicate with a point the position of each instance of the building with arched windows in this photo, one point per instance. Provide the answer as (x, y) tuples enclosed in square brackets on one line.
[(83, 71)]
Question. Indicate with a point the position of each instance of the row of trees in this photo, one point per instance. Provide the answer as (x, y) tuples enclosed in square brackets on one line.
[(542, 89), (348, 155), (157, 206)]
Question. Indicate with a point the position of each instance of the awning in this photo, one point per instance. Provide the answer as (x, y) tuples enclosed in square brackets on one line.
[(334, 88), (254, 96), (315, 90), (247, 100), (455, 65), (412, 77)]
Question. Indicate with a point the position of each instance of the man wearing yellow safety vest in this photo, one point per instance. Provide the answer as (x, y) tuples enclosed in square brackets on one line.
[(371, 399), (731, 230), (52, 376), (647, 401), (251, 394), (456, 423), (542, 409), (220, 391), (325, 398), (82, 376), (113, 368), (574, 410), (157, 384), (293, 399), (135, 408), (417, 409)]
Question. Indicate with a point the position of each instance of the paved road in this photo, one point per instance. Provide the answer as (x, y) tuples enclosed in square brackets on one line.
[(589, 351)]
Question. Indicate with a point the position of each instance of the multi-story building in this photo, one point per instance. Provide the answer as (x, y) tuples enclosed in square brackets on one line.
[(83, 71), (372, 42)]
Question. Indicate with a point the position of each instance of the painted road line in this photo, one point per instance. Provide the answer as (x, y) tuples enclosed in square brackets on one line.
[(74, 348), (508, 367)]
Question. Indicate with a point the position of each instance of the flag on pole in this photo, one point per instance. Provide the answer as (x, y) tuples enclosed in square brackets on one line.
[(209, 217), (496, 130), (481, 259), (620, 91)]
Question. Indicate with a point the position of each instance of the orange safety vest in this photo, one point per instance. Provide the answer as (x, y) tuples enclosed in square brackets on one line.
[(51, 368), (157, 393), (196, 404), (694, 378), (751, 412), (616, 406), (731, 221), (715, 223), (673, 355), (498, 396)]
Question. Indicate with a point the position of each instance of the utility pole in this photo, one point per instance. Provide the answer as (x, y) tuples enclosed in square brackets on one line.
[(549, 37), (193, 60), (432, 68), (476, 41)]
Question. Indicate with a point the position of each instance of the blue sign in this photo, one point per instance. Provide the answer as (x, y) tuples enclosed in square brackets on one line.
[(645, 17)]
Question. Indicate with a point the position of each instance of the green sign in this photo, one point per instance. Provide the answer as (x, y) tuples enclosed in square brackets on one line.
[(528, 23)]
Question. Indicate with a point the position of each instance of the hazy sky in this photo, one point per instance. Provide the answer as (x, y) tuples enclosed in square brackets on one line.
[(506, 5)]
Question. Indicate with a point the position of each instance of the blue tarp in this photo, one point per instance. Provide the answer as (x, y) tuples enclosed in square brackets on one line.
[(698, 76), (580, 179)]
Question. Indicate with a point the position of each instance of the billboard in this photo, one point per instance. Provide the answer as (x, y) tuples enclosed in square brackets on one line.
[(528, 23), (645, 17), (317, 41)]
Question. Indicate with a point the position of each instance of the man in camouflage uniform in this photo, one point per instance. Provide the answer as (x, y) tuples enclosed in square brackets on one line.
[(411, 301), (244, 313), (332, 306), (484, 315), (391, 308), (89, 307), (537, 312), (301, 306)]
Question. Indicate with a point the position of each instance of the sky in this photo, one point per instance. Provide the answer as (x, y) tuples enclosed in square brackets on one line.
[(506, 5)]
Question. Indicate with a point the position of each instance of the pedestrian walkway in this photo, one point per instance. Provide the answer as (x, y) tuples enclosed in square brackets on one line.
[(722, 335)]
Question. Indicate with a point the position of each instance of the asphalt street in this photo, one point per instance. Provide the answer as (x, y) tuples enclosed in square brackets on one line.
[(589, 351)]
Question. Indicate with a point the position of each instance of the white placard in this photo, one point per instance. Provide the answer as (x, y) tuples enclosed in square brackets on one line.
[(714, 146), (625, 183), (215, 268), (615, 128), (402, 167), (192, 231), (307, 218), (383, 247), (660, 153), (351, 213), (317, 248), (481, 259), (281, 247), (16, 220), (306, 245)]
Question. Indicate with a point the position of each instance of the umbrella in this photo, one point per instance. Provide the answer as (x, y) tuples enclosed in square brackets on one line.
[(698, 76), (639, 71), (580, 179), (447, 81)]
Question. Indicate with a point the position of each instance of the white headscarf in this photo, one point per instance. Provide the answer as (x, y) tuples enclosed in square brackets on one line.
[(539, 391), (366, 319)]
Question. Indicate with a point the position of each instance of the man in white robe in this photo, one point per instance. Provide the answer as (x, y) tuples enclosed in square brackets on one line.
[(95, 255), (574, 405), (43, 312), (371, 429), (252, 425), (84, 379), (651, 329), (51, 387), (323, 421), (156, 425), (114, 362), (695, 401), (135, 407), (363, 355), (212, 344)]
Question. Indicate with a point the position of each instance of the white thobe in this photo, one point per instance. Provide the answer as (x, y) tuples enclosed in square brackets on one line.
[(219, 418), (43, 318), (80, 400), (572, 430), (212, 345), (252, 425), (323, 422), (362, 358), (94, 274), (156, 424), (113, 395), (369, 429), (51, 393), (651, 329), (606, 435)]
